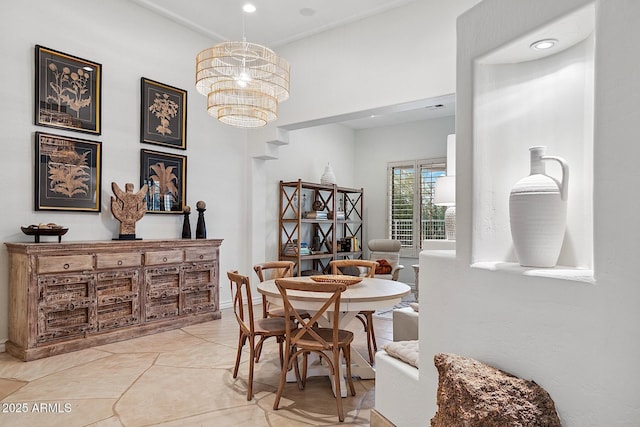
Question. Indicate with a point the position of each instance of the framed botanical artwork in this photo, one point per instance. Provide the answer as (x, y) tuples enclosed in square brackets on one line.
[(165, 175), (163, 118), (68, 91), (68, 173)]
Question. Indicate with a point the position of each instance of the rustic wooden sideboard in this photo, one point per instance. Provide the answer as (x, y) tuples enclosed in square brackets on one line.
[(69, 296)]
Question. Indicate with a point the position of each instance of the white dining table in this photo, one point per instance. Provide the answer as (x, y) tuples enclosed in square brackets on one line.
[(369, 294)]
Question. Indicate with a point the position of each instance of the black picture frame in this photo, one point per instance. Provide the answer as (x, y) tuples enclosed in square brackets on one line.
[(163, 174), (163, 114), (68, 173), (68, 92)]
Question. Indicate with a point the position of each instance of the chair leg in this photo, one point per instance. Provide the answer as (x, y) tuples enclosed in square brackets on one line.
[(280, 350), (305, 365), (252, 358), (259, 349), (373, 331), (362, 320), (347, 361), (372, 345), (283, 377), (241, 340), (296, 369), (336, 380)]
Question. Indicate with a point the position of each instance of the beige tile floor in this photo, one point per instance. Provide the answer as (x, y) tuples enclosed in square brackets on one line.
[(176, 378)]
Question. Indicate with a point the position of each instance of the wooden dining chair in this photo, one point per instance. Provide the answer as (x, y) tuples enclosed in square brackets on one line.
[(250, 328), (367, 269), (310, 338), (274, 270)]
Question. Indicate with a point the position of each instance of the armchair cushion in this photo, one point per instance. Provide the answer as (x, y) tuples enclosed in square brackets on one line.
[(407, 351), (383, 267)]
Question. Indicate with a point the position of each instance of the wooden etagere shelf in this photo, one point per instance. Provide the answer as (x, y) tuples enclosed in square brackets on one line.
[(314, 220), (69, 296)]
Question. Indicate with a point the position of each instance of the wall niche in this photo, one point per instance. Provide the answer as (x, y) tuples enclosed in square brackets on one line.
[(525, 97)]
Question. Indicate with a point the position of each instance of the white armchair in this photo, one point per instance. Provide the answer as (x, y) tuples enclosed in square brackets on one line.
[(388, 250)]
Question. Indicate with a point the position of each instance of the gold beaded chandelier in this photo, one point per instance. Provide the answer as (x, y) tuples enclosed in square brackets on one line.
[(243, 82)]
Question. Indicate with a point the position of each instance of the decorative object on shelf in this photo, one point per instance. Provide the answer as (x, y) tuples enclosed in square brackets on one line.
[(337, 278), (201, 229), (50, 229), (340, 209), (328, 177), (163, 114), (344, 245), (316, 246), (317, 205), (186, 224), (68, 175), (445, 195), (165, 175), (538, 212), (243, 82), (128, 208), (68, 91)]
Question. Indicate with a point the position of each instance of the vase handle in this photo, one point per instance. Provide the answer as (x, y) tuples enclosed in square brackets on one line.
[(564, 184)]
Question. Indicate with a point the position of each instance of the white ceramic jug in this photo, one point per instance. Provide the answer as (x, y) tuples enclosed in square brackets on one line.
[(538, 212)]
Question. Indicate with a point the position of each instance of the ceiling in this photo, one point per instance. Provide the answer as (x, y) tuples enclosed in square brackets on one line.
[(278, 22)]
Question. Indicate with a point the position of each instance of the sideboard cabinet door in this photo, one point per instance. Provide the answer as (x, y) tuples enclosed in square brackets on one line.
[(66, 306), (118, 296)]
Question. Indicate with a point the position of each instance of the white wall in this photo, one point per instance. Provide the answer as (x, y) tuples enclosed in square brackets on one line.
[(405, 54), (375, 148), (577, 340)]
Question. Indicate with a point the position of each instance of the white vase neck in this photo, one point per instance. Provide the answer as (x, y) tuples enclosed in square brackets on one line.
[(537, 165)]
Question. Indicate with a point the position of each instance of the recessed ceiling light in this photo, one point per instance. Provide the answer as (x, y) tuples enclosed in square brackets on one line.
[(249, 8), (543, 44)]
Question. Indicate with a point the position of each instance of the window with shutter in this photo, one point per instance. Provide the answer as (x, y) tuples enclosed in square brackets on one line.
[(412, 216)]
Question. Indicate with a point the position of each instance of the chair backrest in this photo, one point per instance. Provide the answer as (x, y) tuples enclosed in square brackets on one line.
[(273, 270), (306, 326), (241, 294), (366, 267), (386, 249)]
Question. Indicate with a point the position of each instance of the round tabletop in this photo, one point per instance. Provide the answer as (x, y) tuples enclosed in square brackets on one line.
[(369, 294)]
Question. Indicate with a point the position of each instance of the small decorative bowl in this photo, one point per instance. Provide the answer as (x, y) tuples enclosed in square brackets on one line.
[(57, 230)]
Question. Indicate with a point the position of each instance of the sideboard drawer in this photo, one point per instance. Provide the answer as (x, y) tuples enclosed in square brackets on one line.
[(116, 260), (64, 263), (163, 257), (199, 254)]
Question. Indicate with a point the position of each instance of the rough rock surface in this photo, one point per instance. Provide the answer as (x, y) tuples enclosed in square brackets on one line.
[(472, 394)]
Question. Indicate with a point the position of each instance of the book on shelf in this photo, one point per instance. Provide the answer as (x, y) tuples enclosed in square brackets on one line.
[(355, 244), (338, 214), (316, 215), (291, 249)]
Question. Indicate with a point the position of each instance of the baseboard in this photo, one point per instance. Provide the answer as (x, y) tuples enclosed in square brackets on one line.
[(377, 420)]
